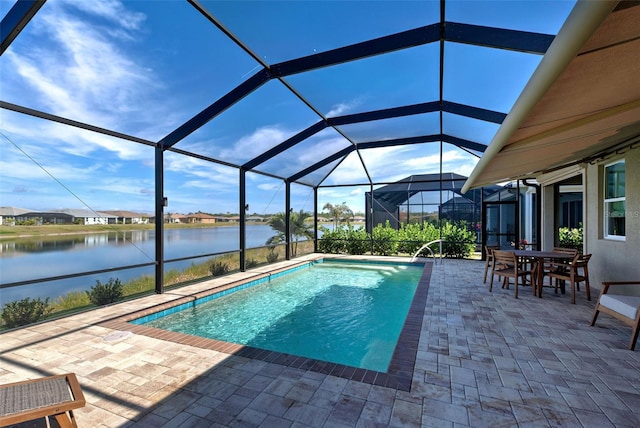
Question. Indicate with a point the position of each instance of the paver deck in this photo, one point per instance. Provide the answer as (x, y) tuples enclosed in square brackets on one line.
[(483, 360)]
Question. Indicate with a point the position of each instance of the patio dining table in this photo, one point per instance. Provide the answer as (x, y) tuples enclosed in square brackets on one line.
[(539, 257)]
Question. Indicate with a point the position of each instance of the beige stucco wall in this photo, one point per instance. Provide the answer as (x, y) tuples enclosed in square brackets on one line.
[(613, 260), (547, 233)]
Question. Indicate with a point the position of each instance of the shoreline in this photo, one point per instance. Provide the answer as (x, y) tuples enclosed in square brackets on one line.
[(24, 232), (7, 232)]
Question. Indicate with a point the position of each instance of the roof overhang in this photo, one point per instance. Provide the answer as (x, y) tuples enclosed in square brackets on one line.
[(582, 102)]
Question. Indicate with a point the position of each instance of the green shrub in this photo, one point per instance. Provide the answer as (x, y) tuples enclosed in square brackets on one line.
[(332, 241), (218, 268), (385, 240), (25, 311), (29, 222), (414, 235), (570, 238), (250, 264), (349, 239), (103, 294), (272, 256), (408, 238), (458, 240), (357, 240)]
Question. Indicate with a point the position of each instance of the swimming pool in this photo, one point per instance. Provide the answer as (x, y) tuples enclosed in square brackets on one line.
[(348, 313)]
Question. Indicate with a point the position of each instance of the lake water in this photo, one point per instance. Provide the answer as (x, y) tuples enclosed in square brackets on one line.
[(27, 259)]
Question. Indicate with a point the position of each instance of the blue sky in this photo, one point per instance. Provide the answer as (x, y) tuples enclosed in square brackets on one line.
[(145, 67)]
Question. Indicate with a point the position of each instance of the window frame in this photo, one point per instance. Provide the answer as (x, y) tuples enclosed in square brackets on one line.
[(607, 201)]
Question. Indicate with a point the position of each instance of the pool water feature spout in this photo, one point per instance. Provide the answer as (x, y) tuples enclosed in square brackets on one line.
[(427, 246)]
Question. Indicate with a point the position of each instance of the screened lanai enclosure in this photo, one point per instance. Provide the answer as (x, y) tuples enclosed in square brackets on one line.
[(241, 112), (427, 197)]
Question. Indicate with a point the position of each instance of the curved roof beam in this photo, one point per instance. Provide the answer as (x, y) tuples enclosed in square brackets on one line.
[(463, 144), (393, 42), (463, 33), (400, 141), (450, 107), (341, 120), (274, 151), (232, 97), (521, 41), (53, 118), (498, 38), (326, 161), (386, 113), (459, 142), (473, 112), (16, 19)]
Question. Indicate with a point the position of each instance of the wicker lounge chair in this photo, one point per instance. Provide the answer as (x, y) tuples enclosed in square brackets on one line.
[(55, 396)]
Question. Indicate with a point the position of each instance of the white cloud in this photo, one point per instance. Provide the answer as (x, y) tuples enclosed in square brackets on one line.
[(271, 187), (322, 148), (378, 161), (353, 197), (199, 174), (343, 108), (389, 164), (124, 186), (251, 145), (83, 69), (339, 110), (40, 165), (42, 137), (350, 170), (113, 11)]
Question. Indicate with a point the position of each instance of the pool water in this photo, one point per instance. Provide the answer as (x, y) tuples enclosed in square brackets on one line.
[(345, 313)]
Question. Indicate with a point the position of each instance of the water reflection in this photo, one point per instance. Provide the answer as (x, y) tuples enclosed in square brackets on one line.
[(35, 258), (39, 246), (71, 242)]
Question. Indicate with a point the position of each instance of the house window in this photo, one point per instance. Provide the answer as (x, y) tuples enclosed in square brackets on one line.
[(614, 200)]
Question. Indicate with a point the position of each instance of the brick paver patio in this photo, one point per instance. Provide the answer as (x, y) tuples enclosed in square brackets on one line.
[(483, 360)]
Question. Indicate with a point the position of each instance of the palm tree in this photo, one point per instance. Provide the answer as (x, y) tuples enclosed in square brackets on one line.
[(298, 228), (340, 213)]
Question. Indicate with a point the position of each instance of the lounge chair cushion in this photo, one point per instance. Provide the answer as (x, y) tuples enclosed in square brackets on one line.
[(625, 305)]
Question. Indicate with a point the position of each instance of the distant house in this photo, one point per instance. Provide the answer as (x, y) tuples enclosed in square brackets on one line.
[(227, 219), (176, 218), (67, 216), (8, 215), (256, 219), (200, 218), (129, 217)]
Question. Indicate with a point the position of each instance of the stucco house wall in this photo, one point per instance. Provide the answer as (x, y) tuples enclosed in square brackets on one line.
[(613, 260)]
